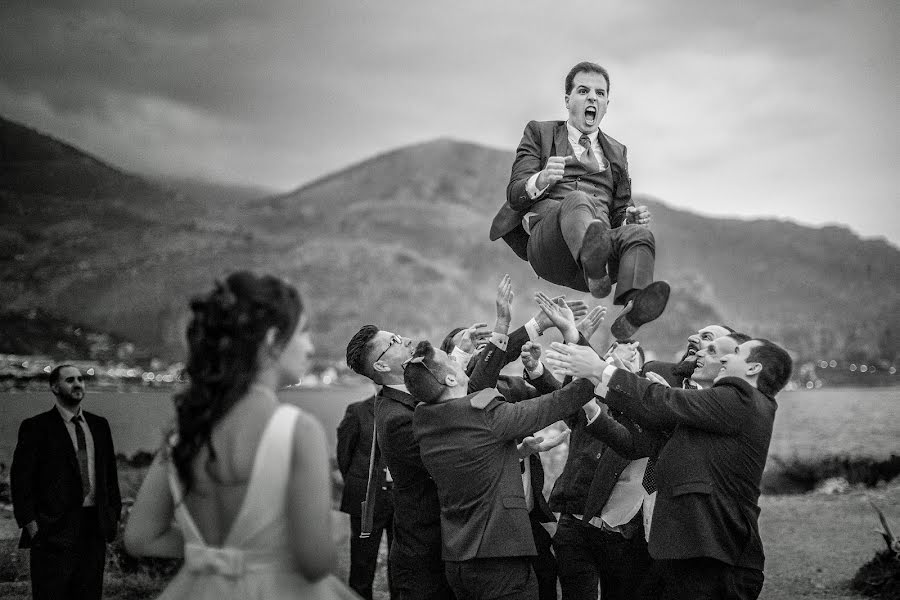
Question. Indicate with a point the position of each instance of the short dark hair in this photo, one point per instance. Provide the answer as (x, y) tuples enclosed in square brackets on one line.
[(54, 374), (776, 366), (447, 345), (727, 328), (739, 337), (358, 350), (424, 377), (585, 67)]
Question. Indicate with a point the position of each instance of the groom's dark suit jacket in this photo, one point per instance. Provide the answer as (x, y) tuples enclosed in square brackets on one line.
[(709, 471), (541, 140), (46, 481)]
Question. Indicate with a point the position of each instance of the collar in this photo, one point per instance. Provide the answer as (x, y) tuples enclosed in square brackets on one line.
[(575, 134), (399, 394), (67, 414)]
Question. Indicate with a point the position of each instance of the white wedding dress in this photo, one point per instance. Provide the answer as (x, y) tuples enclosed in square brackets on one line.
[(255, 560)]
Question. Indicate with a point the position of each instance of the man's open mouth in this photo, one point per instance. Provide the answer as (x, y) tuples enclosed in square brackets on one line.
[(590, 115)]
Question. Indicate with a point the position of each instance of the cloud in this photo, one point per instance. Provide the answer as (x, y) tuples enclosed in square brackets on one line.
[(725, 107)]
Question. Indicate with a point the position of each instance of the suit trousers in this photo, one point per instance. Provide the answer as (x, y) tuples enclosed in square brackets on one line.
[(544, 564), (364, 552), (493, 579), (702, 579), (73, 573), (632, 256), (417, 577), (588, 555)]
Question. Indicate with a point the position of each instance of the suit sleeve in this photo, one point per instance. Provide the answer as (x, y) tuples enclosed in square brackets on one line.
[(528, 161), (23, 473), (347, 438), (628, 441), (622, 195), (720, 409), (486, 365), (510, 421), (546, 383), (113, 494)]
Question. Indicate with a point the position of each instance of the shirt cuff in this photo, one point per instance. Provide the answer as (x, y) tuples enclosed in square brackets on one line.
[(603, 387), (594, 418), (531, 187), (538, 371), (531, 328), (499, 339), (461, 356)]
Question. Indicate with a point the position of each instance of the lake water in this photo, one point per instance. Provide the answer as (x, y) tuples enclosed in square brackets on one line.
[(851, 421)]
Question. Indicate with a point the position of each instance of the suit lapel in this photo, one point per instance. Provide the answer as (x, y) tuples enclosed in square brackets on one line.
[(561, 144), (401, 397)]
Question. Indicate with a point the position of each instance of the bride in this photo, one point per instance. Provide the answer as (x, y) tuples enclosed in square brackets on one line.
[(245, 477)]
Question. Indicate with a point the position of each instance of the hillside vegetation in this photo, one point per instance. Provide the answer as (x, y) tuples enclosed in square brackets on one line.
[(399, 240)]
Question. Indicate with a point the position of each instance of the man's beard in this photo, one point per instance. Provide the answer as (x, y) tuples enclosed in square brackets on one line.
[(685, 368), (69, 400)]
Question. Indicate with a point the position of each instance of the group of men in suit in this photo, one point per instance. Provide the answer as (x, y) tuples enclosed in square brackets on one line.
[(658, 496), (65, 493)]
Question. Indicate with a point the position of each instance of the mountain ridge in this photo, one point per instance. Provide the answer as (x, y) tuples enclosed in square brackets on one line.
[(401, 240)]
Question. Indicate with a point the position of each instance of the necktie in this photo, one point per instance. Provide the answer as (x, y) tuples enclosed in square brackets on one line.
[(649, 480), (587, 157), (82, 457)]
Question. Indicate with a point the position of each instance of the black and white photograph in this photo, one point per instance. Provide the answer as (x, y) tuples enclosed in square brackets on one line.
[(407, 300)]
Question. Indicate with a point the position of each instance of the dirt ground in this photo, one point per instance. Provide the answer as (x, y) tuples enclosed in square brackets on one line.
[(814, 543)]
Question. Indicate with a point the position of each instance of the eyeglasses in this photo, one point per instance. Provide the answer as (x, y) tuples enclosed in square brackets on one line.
[(395, 339), (420, 360)]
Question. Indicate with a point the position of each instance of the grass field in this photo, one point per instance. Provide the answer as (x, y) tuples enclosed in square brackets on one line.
[(814, 544)]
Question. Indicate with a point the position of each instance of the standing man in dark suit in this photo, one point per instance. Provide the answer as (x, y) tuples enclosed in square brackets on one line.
[(468, 444), (354, 449), (65, 492), (569, 211), (415, 564), (705, 535)]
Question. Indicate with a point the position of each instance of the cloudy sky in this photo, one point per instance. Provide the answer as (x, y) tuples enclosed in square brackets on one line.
[(785, 109)]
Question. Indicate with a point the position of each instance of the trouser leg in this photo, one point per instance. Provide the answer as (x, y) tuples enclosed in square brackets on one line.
[(632, 260)]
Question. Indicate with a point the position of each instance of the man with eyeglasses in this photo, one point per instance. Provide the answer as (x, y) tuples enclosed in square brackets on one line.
[(417, 571)]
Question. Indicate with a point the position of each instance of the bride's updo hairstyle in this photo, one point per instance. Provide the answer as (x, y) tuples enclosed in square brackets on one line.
[(224, 337)]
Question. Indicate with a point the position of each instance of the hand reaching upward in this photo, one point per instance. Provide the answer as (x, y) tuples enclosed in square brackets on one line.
[(559, 313), (531, 355), (591, 321)]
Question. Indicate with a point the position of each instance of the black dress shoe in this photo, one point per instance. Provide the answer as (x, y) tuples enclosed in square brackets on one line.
[(647, 305), (595, 249)]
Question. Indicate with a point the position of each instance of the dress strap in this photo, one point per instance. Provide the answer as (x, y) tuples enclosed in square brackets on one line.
[(189, 528), (267, 486)]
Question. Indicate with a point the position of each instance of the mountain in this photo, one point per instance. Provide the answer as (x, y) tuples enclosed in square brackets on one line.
[(400, 240)]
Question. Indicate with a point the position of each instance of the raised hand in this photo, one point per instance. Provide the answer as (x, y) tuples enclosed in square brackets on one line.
[(553, 172), (534, 444), (504, 304), (474, 337), (657, 378), (577, 361), (578, 308), (591, 321), (531, 355), (639, 215), (559, 314)]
